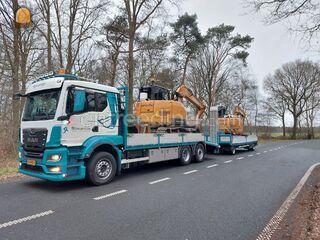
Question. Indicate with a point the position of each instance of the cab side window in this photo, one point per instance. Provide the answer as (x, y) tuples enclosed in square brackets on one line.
[(90, 105), (91, 101), (70, 102), (101, 101)]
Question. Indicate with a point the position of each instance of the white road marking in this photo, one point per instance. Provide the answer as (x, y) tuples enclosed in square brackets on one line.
[(110, 195), (193, 171), (229, 161), (271, 150), (214, 165), (258, 153), (275, 221), (25, 219), (240, 158), (160, 180), (265, 151), (250, 155)]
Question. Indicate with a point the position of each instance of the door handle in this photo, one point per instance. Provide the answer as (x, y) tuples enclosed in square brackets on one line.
[(95, 129)]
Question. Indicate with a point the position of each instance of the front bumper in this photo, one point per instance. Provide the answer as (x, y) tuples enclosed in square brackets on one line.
[(71, 168)]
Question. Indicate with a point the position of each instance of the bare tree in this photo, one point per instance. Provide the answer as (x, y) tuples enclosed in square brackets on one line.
[(312, 108), (278, 106), (216, 58), (10, 36), (116, 35), (295, 83), (151, 59), (303, 14), (76, 22), (45, 8), (138, 13)]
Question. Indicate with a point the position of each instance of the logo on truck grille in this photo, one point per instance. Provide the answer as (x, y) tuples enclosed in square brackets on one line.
[(32, 140)]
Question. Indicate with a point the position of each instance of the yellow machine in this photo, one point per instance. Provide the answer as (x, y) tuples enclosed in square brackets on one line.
[(158, 108), (233, 124)]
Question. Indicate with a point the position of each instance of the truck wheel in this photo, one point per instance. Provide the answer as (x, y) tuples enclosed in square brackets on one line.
[(185, 156), (101, 168), (200, 153)]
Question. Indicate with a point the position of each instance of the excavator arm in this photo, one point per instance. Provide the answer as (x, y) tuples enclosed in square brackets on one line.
[(186, 93)]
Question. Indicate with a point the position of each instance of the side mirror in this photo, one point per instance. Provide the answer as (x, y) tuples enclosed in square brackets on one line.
[(17, 96), (79, 101)]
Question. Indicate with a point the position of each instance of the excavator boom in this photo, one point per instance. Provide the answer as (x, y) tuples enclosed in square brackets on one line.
[(184, 92)]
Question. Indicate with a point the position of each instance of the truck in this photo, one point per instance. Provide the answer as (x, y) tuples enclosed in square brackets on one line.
[(75, 129)]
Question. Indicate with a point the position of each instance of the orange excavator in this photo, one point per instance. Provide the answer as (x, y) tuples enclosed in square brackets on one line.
[(158, 108), (233, 124)]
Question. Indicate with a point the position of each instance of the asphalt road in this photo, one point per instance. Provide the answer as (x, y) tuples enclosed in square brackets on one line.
[(225, 197)]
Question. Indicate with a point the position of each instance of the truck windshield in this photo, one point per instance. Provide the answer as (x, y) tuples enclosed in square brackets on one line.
[(41, 105)]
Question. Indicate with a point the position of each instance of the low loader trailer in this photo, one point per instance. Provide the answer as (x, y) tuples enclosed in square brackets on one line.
[(73, 129), (229, 143)]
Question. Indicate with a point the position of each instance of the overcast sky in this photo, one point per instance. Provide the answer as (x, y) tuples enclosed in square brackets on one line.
[(273, 45)]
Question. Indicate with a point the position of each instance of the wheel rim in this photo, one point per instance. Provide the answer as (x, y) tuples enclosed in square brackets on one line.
[(186, 155), (200, 153), (103, 169)]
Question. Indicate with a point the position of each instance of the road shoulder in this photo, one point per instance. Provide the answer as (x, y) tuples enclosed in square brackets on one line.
[(302, 219)]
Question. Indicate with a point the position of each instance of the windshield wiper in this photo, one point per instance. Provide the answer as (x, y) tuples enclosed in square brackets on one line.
[(26, 119)]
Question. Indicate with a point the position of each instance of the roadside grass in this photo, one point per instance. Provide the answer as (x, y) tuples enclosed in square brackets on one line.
[(8, 165), (8, 170)]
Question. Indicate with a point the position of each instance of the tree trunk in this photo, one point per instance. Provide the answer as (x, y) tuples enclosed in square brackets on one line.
[(49, 46), (295, 126), (183, 80), (283, 126), (15, 74), (69, 48), (114, 68), (131, 70)]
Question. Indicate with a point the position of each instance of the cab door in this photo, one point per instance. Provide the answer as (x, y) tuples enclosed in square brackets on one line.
[(91, 113)]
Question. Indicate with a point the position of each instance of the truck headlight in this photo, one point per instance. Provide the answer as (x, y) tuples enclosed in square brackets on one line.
[(54, 158), (55, 169)]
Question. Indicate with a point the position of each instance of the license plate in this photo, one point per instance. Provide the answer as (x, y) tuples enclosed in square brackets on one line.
[(31, 162)]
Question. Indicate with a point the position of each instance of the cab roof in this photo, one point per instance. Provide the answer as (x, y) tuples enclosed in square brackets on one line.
[(52, 81)]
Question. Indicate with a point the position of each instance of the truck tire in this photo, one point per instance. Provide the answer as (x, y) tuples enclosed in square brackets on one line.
[(251, 148), (200, 153), (232, 151), (185, 156), (101, 168)]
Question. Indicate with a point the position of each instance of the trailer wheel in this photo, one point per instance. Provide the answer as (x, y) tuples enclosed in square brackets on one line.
[(200, 153), (232, 151), (251, 148), (185, 156), (101, 169)]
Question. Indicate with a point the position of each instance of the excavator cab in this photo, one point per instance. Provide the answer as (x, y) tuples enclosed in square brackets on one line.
[(154, 93)]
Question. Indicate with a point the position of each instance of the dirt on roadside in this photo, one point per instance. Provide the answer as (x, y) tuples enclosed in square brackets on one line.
[(302, 221)]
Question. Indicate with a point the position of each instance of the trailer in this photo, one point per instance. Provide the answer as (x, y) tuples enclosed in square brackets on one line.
[(229, 143)]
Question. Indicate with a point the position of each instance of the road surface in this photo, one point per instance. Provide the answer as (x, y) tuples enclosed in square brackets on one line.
[(225, 197)]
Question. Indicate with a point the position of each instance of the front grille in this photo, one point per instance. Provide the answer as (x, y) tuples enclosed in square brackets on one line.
[(34, 139), (32, 168), (29, 154)]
